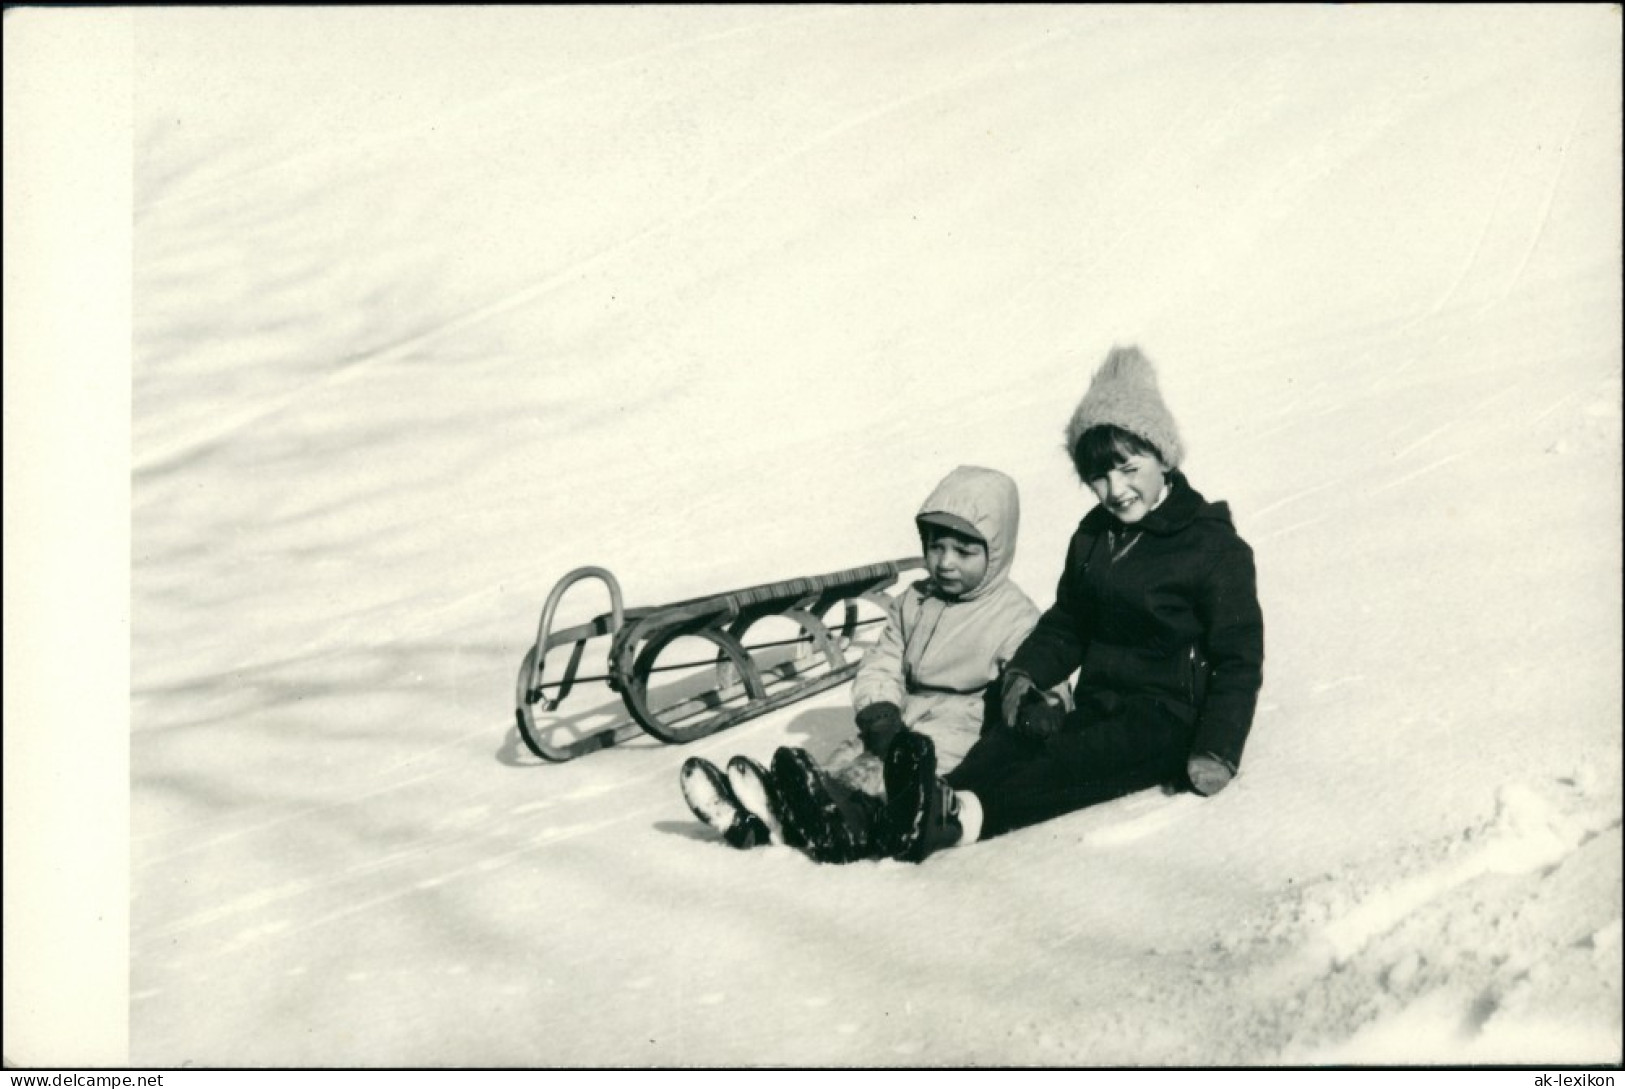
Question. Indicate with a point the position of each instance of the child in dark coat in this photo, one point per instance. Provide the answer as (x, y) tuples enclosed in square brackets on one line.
[(1157, 613)]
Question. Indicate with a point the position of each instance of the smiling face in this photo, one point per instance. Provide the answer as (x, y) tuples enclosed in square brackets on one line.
[(1126, 473), (957, 563), (1130, 488)]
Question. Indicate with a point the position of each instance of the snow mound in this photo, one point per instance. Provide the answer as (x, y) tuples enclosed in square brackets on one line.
[(1478, 947)]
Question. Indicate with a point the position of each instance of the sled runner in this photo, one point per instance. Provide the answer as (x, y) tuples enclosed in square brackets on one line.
[(733, 683)]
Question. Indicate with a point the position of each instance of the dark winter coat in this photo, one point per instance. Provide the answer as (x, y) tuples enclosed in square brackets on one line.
[(1163, 612)]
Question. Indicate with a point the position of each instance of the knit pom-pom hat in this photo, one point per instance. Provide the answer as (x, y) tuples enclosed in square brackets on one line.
[(1124, 393)]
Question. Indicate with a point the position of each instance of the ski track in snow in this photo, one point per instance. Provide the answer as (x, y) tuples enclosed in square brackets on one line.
[(1491, 215), (1546, 207), (549, 837), (488, 108), (165, 456), (320, 812), (453, 831), (1354, 477), (1414, 474)]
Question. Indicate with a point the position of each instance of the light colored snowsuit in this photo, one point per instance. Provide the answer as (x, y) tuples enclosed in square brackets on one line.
[(937, 656)]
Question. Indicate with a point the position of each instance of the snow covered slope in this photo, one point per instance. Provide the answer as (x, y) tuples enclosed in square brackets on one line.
[(431, 307)]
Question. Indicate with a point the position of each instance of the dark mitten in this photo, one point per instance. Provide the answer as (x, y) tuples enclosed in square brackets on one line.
[(878, 725), (1038, 717)]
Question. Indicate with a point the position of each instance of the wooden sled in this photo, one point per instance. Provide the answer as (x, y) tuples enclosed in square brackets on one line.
[(735, 684)]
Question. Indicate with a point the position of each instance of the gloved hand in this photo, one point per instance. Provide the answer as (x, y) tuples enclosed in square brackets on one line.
[(1012, 692), (878, 724), (1208, 774), (1038, 718)]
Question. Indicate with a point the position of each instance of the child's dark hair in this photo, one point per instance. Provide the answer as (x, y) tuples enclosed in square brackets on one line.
[(931, 530), (1104, 447), (933, 533)]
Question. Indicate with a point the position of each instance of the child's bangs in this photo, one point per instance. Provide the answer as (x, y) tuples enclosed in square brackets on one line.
[(1101, 449)]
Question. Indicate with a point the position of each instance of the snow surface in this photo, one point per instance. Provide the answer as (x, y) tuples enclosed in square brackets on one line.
[(432, 307)]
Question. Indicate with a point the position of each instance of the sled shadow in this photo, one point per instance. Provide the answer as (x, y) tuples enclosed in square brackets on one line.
[(819, 730), (512, 754)]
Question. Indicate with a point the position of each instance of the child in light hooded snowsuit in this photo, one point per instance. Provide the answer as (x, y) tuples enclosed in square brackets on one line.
[(1156, 614), (931, 672)]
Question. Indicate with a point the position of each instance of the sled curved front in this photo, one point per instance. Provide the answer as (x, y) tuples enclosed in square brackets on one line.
[(744, 680), (531, 688)]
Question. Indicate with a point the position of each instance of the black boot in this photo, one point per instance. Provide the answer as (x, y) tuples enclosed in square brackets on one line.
[(753, 787), (863, 817), (815, 820), (922, 811), (705, 789)]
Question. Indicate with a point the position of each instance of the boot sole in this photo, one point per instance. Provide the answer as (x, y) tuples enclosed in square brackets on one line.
[(753, 789), (705, 789)]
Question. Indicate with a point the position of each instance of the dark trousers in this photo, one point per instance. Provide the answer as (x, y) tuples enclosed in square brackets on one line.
[(1101, 753)]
